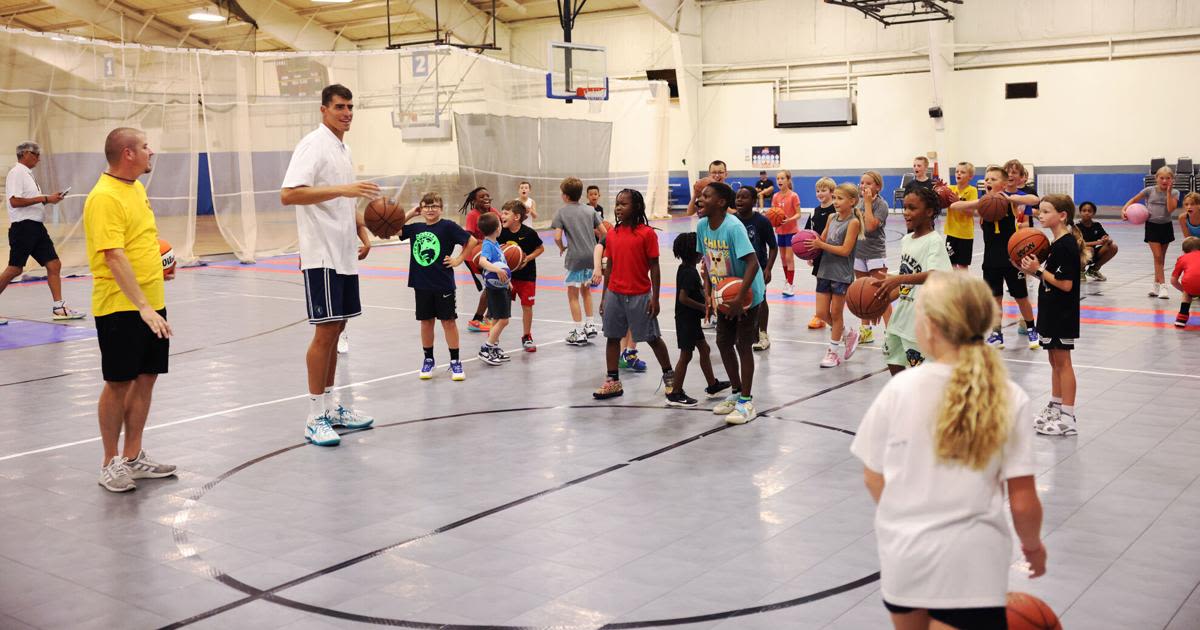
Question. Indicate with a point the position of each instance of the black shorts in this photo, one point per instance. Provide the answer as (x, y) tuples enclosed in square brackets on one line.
[(29, 238), (435, 305), (733, 332), (128, 347), (997, 277), (331, 296), (1160, 232), (499, 302), (688, 333), (1056, 343), (816, 264), (959, 250), (994, 618)]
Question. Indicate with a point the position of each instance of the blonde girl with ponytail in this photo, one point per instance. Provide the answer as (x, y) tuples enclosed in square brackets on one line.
[(941, 447), (1058, 310)]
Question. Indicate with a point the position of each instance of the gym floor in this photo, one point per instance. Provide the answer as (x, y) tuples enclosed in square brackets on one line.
[(515, 499)]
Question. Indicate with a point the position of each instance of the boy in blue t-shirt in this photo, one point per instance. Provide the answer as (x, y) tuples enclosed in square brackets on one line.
[(730, 254), (495, 280), (431, 277)]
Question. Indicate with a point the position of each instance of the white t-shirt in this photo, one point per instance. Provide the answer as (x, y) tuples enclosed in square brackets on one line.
[(20, 183), (941, 529), (528, 203), (328, 230)]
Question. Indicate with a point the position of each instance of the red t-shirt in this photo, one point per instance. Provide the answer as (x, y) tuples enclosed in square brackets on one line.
[(472, 224), (629, 251), (1188, 266), (789, 201)]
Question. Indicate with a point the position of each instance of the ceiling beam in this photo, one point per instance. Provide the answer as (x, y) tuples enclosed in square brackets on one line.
[(296, 31), (465, 23), (124, 22)]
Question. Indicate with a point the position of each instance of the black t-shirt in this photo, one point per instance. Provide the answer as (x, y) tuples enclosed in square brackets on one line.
[(995, 239), (599, 210), (687, 280), (763, 184), (1058, 311), (817, 220), (761, 233), (430, 245), (528, 240), (1092, 233)]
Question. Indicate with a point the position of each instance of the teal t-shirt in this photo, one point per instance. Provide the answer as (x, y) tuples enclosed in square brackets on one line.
[(917, 255), (723, 249)]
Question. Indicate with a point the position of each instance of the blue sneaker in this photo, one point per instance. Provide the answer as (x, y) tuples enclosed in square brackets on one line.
[(630, 361), (427, 369), (1034, 339), (456, 371), (350, 419), (996, 340), (318, 431)]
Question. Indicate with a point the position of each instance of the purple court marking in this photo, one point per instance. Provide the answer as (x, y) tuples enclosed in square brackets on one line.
[(22, 334)]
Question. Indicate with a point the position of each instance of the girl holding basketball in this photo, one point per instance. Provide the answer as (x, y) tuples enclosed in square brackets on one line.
[(788, 201), (1058, 310), (1161, 202), (837, 272), (951, 424)]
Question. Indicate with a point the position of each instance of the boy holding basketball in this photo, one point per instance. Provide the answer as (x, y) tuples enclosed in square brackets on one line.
[(495, 285), (578, 222), (1186, 278), (524, 278), (726, 247)]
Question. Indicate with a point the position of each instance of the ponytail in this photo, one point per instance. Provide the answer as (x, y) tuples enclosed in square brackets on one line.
[(1064, 205)]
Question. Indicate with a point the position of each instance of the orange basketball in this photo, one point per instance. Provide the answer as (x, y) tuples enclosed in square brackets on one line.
[(946, 195), (993, 207), (1026, 612), (601, 231), (471, 256), (861, 300), (727, 291), (168, 256), (1026, 241), (776, 216), (384, 217), (513, 255)]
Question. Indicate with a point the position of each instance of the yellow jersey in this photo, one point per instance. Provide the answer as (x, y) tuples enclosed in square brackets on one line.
[(117, 215), (960, 224)]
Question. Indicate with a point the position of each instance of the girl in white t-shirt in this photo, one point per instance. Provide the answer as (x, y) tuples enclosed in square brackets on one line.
[(530, 205), (941, 444)]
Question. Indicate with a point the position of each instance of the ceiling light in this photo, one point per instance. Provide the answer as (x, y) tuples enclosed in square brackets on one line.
[(206, 16), (333, 1)]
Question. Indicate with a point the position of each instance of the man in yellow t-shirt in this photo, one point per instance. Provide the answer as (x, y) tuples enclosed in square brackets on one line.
[(960, 224), (128, 305)]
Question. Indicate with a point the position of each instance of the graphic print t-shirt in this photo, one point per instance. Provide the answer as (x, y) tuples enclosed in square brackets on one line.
[(917, 255), (431, 244), (723, 249)]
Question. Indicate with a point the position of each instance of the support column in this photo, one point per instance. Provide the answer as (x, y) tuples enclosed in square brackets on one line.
[(941, 70), (682, 17)]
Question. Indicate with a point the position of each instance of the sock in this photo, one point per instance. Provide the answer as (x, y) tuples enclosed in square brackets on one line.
[(789, 274), (1029, 324), (428, 352), (1055, 401), (744, 399), (1068, 410), (591, 320), (60, 303), (834, 345), (478, 316), (328, 396), (488, 345), (1185, 308), (453, 354), (997, 330), (666, 370), (614, 375), (316, 405)]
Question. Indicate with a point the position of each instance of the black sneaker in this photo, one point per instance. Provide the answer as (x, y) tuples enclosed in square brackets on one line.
[(714, 390), (680, 399)]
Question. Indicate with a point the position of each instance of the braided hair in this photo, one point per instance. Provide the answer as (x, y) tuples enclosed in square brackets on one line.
[(637, 204), (470, 200), (684, 248)]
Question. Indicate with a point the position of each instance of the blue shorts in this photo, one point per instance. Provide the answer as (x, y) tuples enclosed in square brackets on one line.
[(580, 278), (784, 240), (331, 296), (832, 286)]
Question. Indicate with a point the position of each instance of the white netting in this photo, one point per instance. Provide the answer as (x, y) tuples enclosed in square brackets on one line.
[(437, 118)]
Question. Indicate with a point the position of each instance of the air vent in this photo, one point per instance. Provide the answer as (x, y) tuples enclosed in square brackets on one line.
[(1020, 90)]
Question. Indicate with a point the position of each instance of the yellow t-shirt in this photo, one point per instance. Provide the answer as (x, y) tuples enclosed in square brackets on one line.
[(961, 224), (117, 215)]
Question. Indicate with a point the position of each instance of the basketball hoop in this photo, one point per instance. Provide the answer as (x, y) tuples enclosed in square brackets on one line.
[(595, 97)]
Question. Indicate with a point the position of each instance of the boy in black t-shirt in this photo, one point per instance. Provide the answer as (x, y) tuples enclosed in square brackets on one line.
[(524, 278), (1095, 236), (593, 198), (689, 310), (431, 277), (766, 249), (765, 188), (920, 175)]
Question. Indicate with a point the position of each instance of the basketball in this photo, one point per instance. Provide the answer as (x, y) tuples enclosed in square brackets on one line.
[(1026, 612), (993, 207), (513, 255), (861, 300), (384, 217), (727, 291), (168, 256), (802, 251), (601, 231), (471, 256), (775, 216), (946, 195), (1026, 241), (1137, 213)]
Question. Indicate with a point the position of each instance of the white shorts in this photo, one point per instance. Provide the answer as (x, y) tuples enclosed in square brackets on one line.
[(871, 264)]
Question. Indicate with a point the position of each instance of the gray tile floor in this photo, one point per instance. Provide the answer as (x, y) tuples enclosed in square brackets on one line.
[(514, 499)]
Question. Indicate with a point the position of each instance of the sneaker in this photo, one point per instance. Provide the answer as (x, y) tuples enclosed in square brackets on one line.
[(610, 389), (742, 413), (1021, 330), (576, 338), (456, 371), (764, 341), (714, 390), (788, 290), (350, 419), (487, 354), (63, 312), (3, 322), (1050, 413), (680, 399), (1065, 426), (116, 477), (1153, 292), (1163, 293), (590, 330), (996, 340), (1096, 275), (318, 431), (831, 359), (708, 324), (866, 334), (851, 340), (816, 323), (500, 354), (629, 360), (668, 381), (527, 344), (142, 467), (426, 369), (1181, 320), (476, 325), (725, 407), (343, 343), (1034, 340)]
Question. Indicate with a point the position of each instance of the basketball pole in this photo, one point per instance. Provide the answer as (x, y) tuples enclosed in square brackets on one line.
[(567, 12)]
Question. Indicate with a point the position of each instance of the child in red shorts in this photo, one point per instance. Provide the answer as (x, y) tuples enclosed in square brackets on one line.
[(524, 278), (1186, 278)]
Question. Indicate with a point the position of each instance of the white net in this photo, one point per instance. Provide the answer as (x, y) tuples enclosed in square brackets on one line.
[(223, 125)]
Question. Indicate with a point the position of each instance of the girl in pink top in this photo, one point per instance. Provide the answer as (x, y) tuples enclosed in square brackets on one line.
[(788, 201)]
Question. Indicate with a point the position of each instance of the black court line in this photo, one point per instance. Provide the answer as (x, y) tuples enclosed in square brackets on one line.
[(270, 594)]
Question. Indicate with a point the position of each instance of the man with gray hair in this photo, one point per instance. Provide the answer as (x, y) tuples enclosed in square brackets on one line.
[(27, 235)]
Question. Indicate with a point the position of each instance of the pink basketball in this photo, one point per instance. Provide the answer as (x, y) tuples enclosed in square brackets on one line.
[(801, 249), (1137, 213)]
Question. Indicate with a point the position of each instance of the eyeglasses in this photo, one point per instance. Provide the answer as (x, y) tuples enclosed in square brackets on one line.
[(430, 207)]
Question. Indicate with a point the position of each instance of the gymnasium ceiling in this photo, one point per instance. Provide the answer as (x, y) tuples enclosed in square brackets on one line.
[(282, 24)]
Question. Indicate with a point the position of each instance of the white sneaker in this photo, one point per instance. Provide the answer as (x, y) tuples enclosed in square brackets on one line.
[(1153, 292), (831, 359), (1050, 413), (116, 477), (349, 418), (590, 330), (318, 431), (725, 407), (1065, 426), (65, 312), (764, 341), (742, 413), (343, 343), (142, 467), (788, 290), (3, 322), (1163, 292)]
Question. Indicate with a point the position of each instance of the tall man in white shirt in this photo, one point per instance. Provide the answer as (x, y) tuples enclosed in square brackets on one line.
[(27, 236), (320, 183)]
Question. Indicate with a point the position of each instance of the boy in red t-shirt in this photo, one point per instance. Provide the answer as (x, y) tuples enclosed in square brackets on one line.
[(1186, 278), (632, 280)]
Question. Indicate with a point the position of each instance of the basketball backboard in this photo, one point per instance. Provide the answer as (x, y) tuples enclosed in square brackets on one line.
[(577, 71)]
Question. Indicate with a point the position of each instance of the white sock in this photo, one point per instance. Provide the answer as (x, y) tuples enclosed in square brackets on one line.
[(834, 345), (591, 320), (316, 405), (327, 399), (60, 303), (1056, 401), (1068, 410)]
